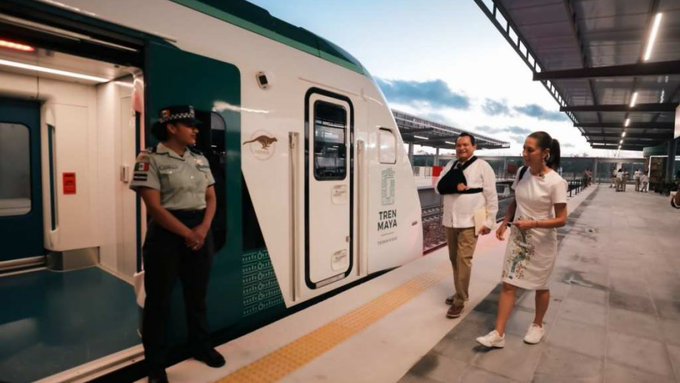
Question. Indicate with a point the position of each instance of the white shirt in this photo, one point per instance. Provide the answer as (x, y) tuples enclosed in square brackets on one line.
[(536, 195), (459, 209)]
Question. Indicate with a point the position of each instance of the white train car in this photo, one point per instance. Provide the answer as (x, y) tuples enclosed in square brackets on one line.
[(314, 188)]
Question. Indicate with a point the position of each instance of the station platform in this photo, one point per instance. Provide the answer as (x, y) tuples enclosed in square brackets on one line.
[(614, 315)]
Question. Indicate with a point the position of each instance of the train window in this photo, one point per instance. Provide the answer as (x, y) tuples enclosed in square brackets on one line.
[(217, 156), (330, 149), (211, 142), (15, 170), (388, 146)]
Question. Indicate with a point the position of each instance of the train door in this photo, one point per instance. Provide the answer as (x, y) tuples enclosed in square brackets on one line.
[(328, 188), (21, 208)]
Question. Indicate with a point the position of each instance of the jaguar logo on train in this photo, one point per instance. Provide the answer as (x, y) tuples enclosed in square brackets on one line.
[(262, 145)]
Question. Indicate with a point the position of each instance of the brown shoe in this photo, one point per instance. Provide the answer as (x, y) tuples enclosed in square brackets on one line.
[(454, 311), (449, 300)]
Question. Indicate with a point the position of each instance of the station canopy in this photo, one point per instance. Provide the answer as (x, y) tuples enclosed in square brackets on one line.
[(598, 61), (418, 131)]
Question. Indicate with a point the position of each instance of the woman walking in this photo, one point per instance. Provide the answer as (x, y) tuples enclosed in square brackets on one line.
[(540, 206)]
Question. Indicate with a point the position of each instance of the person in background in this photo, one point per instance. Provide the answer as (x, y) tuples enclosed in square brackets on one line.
[(176, 184), (539, 207), (644, 181), (479, 192), (619, 180), (636, 177)]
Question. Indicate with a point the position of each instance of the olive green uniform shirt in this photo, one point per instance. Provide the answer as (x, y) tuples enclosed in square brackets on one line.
[(182, 180)]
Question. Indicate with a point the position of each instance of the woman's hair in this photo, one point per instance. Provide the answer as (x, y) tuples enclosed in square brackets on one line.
[(546, 142)]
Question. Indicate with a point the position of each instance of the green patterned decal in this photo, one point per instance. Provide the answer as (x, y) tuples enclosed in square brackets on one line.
[(260, 287)]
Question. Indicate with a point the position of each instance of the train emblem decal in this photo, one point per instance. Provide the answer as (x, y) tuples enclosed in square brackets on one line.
[(387, 187), (262, 145)]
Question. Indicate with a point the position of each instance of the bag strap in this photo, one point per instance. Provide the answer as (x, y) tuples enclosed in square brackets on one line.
[(468, 163), (522, 170)]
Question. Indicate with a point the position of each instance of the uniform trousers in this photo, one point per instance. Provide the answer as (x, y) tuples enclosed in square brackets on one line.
[(462, 243), (167, 258)]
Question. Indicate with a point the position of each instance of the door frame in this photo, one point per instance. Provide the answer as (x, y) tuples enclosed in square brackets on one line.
[(30, 223), (350, 164)]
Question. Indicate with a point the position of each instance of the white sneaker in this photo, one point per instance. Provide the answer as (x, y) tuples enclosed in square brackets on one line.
[(492, 339), (534, 334)]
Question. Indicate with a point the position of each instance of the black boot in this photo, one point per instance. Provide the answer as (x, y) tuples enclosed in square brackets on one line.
[(210, 357), (158, 377)]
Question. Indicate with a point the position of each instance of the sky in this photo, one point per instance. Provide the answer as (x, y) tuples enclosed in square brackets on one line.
[(445, 61)]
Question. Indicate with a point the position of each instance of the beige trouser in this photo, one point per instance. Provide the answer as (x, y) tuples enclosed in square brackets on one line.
[(462, 244)]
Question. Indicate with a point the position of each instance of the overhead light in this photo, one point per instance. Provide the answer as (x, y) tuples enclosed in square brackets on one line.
[(652, 36), (449, 142), (421, 137), (621, 142), (633, 99), (623, 134), (16, 46), (627, 122), (59, 72), (124, 84)]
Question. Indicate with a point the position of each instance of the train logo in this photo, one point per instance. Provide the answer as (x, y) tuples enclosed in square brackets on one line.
[(387, 187), (262, 145)]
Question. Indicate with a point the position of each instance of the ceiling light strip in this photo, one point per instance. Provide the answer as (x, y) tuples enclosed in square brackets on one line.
[(652, 36), (59, 72)]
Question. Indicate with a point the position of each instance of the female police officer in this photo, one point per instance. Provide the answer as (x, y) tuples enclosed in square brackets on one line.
[(177, 188)]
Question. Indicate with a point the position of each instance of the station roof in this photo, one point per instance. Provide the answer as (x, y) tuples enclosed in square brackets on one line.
[(416, 130), (590, 55)]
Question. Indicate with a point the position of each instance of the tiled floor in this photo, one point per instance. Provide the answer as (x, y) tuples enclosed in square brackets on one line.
[(53, 321), (615, 306)]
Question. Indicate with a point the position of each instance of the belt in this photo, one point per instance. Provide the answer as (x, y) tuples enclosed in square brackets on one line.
[(472, 191)]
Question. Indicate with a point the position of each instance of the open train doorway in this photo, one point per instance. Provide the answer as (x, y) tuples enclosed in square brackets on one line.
[(69, 121), (71, 113)]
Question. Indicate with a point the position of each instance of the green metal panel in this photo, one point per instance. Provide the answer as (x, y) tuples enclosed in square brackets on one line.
[(175, 77), (255, 19), (659, 150)]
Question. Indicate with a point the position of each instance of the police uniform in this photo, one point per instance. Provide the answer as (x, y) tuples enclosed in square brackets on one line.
[(182, 182)]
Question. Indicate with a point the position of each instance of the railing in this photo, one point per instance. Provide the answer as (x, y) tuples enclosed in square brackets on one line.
[(434, 235)]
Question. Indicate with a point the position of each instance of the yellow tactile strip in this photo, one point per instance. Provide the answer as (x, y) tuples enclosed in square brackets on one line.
[(298, 353)]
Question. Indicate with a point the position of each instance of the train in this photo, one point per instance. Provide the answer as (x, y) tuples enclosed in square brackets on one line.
[(315, 190)]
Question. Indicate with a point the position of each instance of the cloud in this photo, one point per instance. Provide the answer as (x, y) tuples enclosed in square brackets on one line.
[(518, 138), (436, 93), (494, 108), (519, 130), (489, 130), (539, 112), (514, 131)]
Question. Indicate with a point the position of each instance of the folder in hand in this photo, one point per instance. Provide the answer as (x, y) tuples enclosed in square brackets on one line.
[(480, 220)]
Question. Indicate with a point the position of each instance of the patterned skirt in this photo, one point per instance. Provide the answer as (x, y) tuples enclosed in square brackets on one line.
[(530, 258)]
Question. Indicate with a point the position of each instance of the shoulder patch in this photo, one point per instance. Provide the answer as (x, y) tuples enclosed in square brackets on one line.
[(143, 157)]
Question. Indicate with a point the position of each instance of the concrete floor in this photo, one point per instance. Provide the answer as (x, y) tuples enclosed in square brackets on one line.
[(615, 306)]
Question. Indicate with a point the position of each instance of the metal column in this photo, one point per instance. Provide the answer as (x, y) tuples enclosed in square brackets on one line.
[(670, 163)]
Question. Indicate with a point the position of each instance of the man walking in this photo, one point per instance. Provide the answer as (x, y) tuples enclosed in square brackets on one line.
[(471, 196)]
